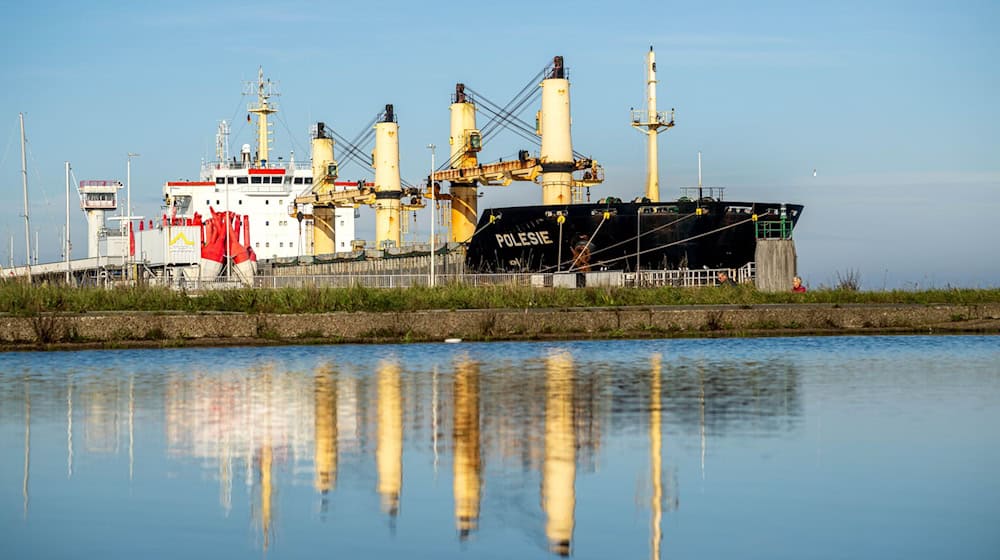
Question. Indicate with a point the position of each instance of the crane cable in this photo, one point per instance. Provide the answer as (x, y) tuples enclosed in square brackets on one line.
[(524, 92), (492, 221), (657, 248), (633, 238), (604, 218), (666, 245)]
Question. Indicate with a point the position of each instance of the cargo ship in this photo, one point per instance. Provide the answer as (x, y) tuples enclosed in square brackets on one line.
[(698, 230), (253, 205)]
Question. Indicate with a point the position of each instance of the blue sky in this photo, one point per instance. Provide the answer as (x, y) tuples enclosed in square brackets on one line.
[(894, 103)]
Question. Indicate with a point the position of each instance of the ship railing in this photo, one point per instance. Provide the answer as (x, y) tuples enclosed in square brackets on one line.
[(687, 278), (715, 193), (747, 273), (781, 229), (210, 165), (643, 117)]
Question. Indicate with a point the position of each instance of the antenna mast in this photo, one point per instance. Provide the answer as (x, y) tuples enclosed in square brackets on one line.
[(650, 122), (265, 91), (222, 143)]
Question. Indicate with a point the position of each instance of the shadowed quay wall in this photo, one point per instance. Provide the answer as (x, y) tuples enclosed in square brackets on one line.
[(493, 324)]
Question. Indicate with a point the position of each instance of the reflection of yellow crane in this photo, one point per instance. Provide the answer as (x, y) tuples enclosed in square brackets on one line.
[(325, 407), (468, 463), (389, 437), (656, 457), (559, 468)]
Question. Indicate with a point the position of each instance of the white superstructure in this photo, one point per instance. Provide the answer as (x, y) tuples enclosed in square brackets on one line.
[(257, 187)]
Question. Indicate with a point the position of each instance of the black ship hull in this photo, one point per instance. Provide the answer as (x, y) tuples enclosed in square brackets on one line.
[(625, 235)]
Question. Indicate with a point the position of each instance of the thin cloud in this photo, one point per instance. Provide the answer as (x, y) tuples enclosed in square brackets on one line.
[(704, 49)]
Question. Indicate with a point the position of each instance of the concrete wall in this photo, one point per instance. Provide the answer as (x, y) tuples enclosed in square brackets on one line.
[(776, 264), (179, 329)]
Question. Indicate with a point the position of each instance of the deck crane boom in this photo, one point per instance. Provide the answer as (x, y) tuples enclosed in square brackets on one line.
[(554, 168), (328, 197)]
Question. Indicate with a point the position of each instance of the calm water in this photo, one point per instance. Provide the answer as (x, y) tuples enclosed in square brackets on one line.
[(854, 447)]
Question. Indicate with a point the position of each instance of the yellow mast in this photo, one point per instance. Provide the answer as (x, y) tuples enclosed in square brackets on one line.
[(324, 169), (262, 109), (385, 160), (465, 141), (557, 145), (650, 122)]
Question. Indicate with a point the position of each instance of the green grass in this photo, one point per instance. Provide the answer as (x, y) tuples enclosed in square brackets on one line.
[(20, 299)]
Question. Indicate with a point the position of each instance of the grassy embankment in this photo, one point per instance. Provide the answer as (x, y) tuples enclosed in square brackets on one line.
[(20, 299)]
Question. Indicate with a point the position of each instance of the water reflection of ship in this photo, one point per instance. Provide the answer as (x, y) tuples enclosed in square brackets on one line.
[(549, 418), (467, 460), (325, 435), (389, 442), (559, 470)]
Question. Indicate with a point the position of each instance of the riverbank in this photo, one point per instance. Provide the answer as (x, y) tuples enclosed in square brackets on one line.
[(138, 329)]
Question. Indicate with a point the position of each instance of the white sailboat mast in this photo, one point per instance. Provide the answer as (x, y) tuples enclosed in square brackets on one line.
[(24, 177)]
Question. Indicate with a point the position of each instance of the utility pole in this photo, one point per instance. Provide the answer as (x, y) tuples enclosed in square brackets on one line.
[(69, 246), (128, 212), (430, 184)]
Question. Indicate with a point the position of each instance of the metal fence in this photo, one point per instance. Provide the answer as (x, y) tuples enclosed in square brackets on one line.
[(645, 278), (611, 279), (389, 280)]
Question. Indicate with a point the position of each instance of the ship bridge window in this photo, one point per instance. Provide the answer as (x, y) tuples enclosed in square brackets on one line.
[(298, 180), (240, 201), (309, 180), (255, 180), (220, 180), (241, 180), (230, 180)]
